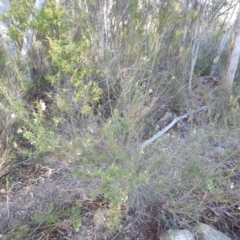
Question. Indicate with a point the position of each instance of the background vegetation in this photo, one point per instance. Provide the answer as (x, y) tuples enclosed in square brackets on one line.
[(102, 76)]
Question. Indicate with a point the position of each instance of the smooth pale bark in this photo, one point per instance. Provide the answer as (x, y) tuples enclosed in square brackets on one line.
[(100, 28), (27, 41), (8, 44), (228, 20), (4, 6), (234, 55), (107, 21), (198, 26), (220, 50), (195, 49)]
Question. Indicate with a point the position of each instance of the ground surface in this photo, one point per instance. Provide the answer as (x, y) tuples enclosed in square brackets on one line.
[(36, 192), (55, 200)]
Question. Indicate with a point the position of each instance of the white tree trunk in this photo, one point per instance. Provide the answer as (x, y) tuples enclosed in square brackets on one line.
[(220, 50), (27, 41), (107, 24), (100, 27), (234, 55), (200, 25), (195, 49), (8, 44)]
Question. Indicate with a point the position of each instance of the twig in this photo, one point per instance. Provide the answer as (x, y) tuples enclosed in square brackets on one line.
[(164, 130), (8, 210)]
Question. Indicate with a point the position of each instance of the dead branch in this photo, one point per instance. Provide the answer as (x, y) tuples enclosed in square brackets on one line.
[(169, 126)]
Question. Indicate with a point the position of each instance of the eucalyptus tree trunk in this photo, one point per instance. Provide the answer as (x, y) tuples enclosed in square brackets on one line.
[(198, 25), (104, 8), (234, 55), (27, 41), (220, 50), (227, 17), (100, 28), (9, 45)]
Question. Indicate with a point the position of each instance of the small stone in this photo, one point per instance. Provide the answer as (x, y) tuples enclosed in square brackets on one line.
[(172, 234), (218, 152), (206, 232), (168, 116)]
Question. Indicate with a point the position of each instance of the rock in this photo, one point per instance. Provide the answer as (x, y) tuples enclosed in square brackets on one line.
[(177, 235), (205, 232), (168, 117), (218, 152)]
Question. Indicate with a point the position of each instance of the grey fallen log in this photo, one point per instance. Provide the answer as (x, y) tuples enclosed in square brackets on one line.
[(169, 126)]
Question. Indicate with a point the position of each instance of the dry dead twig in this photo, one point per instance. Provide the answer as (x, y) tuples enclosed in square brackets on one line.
[(169, 126)]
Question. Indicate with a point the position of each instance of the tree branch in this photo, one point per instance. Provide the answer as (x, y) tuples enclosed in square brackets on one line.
[(164, 130)]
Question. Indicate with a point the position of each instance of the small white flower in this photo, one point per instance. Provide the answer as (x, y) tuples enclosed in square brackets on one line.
[(232, 185), (145, 59), (19, 130), (43, 105), (13, 115), (124, 199)]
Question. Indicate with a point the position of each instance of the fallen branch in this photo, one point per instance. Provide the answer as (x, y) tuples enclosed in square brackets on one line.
[(164, 130)]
